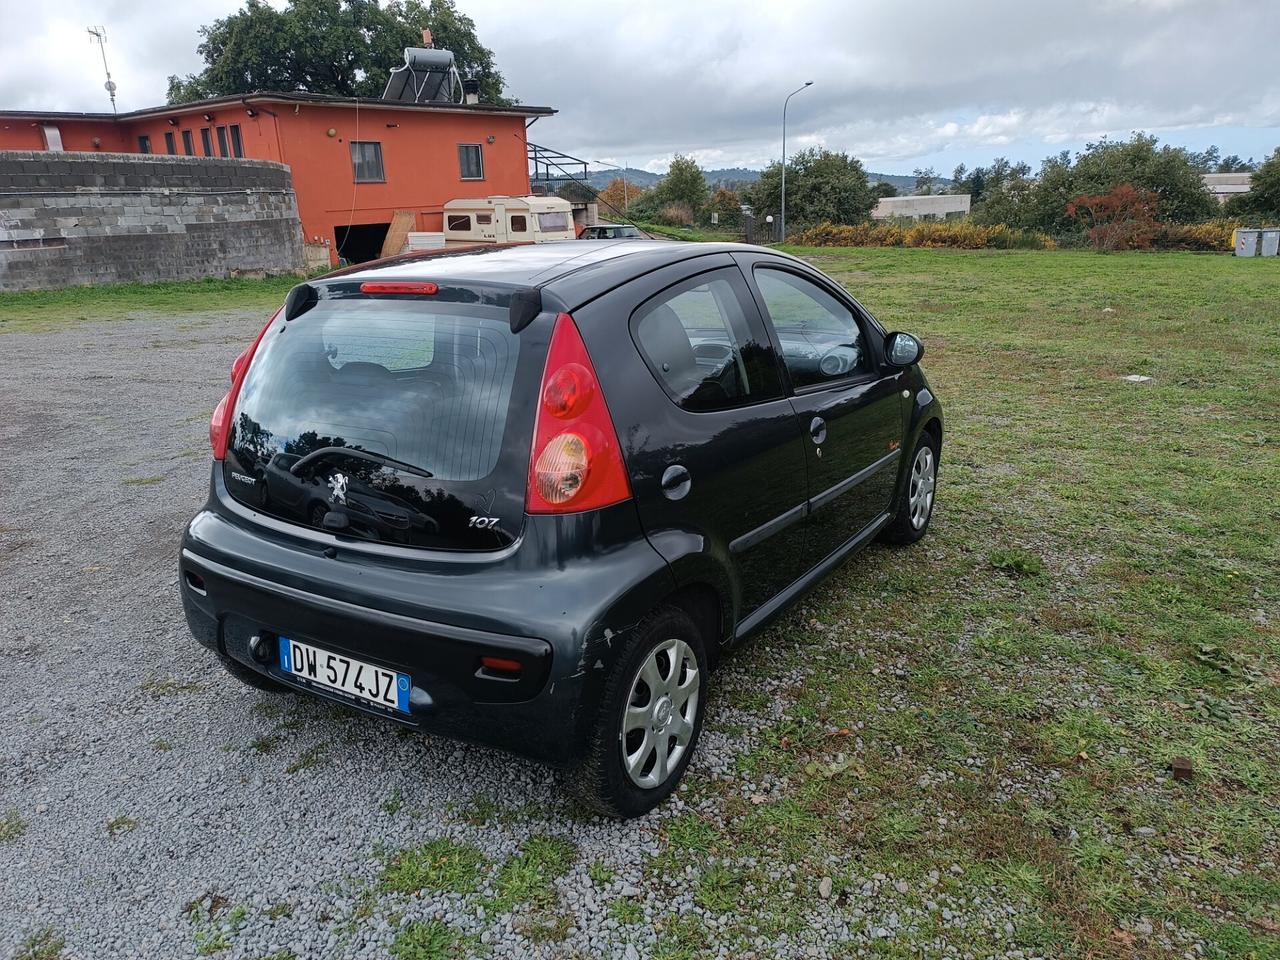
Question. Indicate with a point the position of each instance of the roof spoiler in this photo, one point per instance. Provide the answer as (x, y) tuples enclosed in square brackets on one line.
[(526, 304), (300, 299)]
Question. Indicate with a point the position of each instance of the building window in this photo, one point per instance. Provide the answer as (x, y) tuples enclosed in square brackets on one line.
[(366, 161), (471, 161), (188, 143), (222, 142), (237, 145), (206, 141), (519, 224), (460, 222), (170, 142), (144, 144)]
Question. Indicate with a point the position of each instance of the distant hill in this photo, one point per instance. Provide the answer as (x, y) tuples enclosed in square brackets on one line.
[(599, 179)]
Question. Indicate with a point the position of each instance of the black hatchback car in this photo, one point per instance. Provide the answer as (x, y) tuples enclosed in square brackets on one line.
[(526, 496)]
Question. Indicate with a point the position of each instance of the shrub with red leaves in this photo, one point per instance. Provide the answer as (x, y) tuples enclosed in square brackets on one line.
[(1123, 219)]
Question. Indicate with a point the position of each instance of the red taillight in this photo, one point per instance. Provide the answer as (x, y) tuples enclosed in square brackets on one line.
[(403, 286), (576, 462), (220, 422), (568, 391), (239, 364)]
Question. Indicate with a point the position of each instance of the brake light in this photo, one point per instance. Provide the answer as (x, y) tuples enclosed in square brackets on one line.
[(425, 288), (576, 461), (220, 422)]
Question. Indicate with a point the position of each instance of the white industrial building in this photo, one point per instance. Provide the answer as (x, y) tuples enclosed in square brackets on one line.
[(1224, 186), (935, 206)]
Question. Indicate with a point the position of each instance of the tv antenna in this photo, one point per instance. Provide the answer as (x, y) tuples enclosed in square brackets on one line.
[(99, 36)]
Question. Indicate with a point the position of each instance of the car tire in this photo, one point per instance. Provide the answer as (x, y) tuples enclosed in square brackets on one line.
[(653, 667), (915, 506), (251, 677)]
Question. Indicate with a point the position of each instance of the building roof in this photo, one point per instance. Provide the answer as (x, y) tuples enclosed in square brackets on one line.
[(267, 97)]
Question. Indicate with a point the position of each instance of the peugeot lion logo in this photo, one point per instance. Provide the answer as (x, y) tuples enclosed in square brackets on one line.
[(338, 484)]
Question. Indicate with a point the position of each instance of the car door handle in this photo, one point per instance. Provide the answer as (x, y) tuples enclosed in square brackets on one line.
[(676, 482), (818, 429)]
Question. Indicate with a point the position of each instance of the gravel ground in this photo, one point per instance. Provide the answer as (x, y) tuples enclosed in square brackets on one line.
[(166, 810)]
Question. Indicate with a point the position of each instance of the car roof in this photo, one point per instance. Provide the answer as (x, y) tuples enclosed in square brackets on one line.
[(544, 265)]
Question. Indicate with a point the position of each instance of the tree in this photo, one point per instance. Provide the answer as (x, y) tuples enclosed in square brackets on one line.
[(619, 196), (727, 205), (684, 184), (822, 185), (1207, 160), (1263, 198), (980, 182), (883, 188), (1124, 218), (1168, 172), (576, 191), (342, 47), (926, 178), (1232, 163)]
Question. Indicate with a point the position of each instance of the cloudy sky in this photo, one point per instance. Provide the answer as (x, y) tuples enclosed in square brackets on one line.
[(901, 85)]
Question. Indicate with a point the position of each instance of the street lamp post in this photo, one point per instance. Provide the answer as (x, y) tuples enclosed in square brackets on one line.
[(783, 212)]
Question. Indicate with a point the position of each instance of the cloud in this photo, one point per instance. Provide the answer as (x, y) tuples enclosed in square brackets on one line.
[(895, 84)]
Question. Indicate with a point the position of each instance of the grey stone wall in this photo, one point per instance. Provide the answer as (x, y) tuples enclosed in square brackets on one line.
[(70, 219)]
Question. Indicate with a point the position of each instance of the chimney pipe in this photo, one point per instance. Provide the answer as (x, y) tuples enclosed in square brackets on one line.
[(471, 90), (426, 38)]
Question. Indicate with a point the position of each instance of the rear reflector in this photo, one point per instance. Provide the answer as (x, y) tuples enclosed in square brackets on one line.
[(502, 665), (406, 286), (576, 462)]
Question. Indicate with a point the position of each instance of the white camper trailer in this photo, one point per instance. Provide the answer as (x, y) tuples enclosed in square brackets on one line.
[(508, 220)]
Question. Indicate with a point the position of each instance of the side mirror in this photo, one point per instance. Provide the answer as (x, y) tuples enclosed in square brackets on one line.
[(902, 349)]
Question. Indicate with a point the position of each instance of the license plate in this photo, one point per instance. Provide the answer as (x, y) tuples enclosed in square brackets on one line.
[(333, 671)]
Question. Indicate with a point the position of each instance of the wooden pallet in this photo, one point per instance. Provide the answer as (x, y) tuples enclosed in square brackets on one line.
[(401, 223)]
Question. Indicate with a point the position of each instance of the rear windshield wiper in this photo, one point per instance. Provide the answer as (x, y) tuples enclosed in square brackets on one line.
[(386, 461)]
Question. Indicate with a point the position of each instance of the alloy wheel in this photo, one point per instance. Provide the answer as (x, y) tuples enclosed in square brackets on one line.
[(923, 481), (658, 719)]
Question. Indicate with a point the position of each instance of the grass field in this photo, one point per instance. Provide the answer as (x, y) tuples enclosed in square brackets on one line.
[(986, 722), (36, 309), (964, 748)]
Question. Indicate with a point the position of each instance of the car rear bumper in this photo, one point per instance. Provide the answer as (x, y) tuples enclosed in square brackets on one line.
[(241, 616), (556, 602)]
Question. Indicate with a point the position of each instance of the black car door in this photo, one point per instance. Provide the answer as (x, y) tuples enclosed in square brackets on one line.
[(715, 452), (849, 403)]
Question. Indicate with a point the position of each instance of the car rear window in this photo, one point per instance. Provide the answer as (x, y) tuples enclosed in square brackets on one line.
[(389, 420), (428, 385)]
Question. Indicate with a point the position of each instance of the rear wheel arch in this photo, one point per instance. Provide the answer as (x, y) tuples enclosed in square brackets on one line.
[(709, 613)]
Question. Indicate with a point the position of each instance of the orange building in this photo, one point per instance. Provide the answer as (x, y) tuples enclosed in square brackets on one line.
[(355, 162)]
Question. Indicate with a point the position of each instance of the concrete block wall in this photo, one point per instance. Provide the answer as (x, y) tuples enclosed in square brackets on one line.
[(70, 219)]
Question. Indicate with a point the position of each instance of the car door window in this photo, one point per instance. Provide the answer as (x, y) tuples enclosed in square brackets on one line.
[(704, 346), (820, 337)]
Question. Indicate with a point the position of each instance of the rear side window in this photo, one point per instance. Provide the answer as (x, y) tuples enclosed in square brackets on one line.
[(820, 337), (703, 346), (518, 223), (458, 221)]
